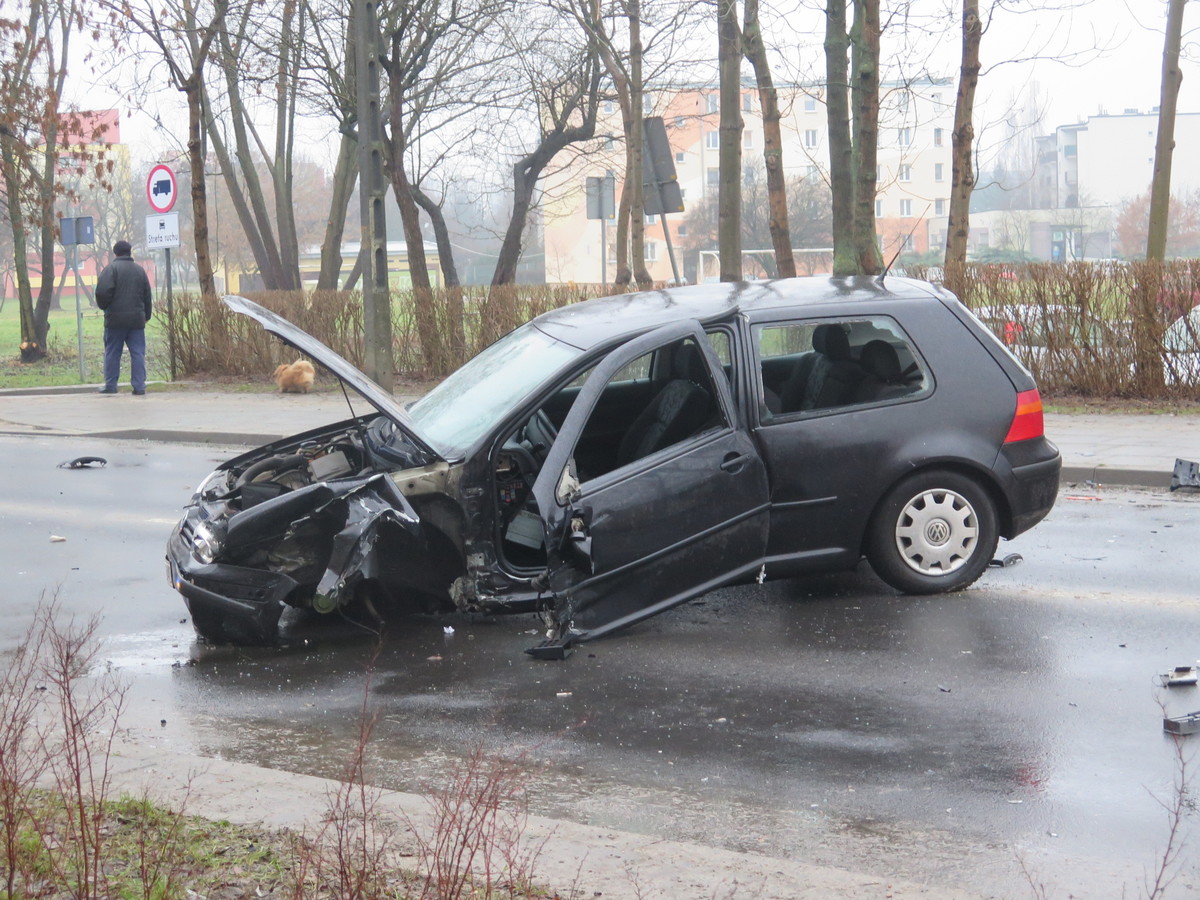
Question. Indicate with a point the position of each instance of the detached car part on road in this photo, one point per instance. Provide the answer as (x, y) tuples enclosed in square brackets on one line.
[(617, 457)]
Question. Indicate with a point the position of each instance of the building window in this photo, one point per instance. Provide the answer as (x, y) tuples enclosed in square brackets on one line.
[(905, 172), (813, 174), (712, 139), (681, 231), (904, 136), (609, 143), (713, 103), (610, 106), (747, 102), (909, 244), (651, 251), (713, 177), (936, 99), (939, 207), (937, 137), (748, 139), (810, 137), (906, 209), (810, 104), (679, 123), (680, 156), (879, 209), (937, 171), (651, 219)]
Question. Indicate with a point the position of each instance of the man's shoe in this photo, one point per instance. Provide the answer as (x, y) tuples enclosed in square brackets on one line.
[(139, 393), (107, 391)]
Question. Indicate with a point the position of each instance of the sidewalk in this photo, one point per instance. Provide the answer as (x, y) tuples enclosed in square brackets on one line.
[(1117, 449)]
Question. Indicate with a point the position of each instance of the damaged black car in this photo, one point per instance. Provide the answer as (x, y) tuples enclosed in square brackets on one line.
[(614, 458)]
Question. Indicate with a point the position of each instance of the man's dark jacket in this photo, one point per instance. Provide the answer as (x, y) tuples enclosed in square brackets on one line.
[(123, 292)]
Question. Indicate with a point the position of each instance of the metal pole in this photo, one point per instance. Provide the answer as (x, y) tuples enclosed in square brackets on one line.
[(603, 248), (662, 220), (78, 310), (170, 316), (376, 291)]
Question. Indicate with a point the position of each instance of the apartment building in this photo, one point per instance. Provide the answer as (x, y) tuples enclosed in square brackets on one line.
[(916, 120)]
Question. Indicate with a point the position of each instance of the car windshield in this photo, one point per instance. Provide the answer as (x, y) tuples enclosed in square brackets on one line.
[(461, 410)]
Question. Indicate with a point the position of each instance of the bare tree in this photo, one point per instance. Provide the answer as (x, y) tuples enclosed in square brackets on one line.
[(1164, 145), (853, 113), (962, 159), (36, 133), (565, 93), (183, 35), (729, 187), (768, 98)]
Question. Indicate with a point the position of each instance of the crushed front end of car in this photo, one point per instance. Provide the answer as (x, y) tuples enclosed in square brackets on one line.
[(300, 523)]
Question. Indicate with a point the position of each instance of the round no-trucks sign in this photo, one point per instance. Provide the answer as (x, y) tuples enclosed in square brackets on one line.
[(161, 188)]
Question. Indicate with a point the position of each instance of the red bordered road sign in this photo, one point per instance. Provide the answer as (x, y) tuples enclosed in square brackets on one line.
[(161, 188)]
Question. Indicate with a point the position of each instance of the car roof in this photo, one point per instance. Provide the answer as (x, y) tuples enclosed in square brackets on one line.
[(594, 322)]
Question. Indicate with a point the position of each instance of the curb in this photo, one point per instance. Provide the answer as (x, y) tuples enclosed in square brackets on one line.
[(1100, 476)]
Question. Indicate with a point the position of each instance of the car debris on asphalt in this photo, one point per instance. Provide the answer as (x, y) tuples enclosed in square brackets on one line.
[(1186, 475), (83, 462)]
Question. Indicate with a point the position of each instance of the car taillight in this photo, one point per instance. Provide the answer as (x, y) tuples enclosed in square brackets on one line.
[(1027, 420)]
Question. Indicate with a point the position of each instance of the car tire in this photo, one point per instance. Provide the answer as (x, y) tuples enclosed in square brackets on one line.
[(934, 532)]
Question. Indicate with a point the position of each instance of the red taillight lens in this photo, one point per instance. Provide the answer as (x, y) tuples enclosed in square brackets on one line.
[(1027, 420)]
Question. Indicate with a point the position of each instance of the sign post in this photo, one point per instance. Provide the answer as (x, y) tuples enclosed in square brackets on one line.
[(162, 233), (601, 204), (76, 231)]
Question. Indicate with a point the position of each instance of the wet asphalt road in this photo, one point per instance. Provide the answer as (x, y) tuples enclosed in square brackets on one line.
[(944, 739)]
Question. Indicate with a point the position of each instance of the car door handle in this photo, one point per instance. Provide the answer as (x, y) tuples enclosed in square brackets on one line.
[(734, 462)]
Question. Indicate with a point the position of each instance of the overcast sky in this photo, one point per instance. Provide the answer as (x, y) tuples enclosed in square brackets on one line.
[(1102, 55)]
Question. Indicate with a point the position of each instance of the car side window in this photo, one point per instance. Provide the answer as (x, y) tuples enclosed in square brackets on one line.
[(635, 418), (821, 365)]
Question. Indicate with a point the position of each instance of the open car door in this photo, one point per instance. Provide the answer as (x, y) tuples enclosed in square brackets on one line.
[(682, 510)]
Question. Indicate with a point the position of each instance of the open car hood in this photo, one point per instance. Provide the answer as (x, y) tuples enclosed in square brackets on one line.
[(338, 365)]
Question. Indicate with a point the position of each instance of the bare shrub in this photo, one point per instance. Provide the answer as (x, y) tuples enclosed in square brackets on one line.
[(21, 765), (211, 340), (79, 748), (477, 844), (1095, 329), (348, 853)]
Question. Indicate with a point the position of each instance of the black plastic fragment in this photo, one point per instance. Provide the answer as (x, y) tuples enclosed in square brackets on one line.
[(1011, 560), (83, 462)]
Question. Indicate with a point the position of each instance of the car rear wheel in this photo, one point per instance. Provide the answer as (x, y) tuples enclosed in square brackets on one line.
[(933, 532)]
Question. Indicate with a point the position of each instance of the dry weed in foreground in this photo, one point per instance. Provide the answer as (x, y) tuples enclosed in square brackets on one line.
[(477, 846)]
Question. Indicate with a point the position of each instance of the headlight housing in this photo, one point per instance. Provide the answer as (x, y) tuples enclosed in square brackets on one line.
[(206, 543)]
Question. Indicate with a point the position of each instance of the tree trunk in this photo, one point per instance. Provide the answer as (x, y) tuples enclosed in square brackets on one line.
[(777, 222), (270, 264), (345, 175), (962, 160), (30, 348), (286, 80), (1164, 145), (841, 150), (634, 177), (729, 189), (195, 144), (455, 338), (864, 39)]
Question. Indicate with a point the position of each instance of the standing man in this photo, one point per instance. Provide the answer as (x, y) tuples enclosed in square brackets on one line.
[(123, 292)]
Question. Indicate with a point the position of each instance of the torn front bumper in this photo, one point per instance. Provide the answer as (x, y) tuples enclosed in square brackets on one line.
[(242, 601)]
